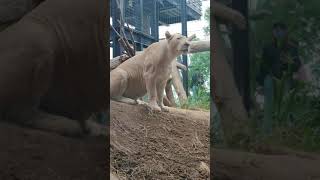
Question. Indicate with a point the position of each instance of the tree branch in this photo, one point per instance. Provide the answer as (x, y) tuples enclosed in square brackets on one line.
[(228, 14), (181, 66), (115, 62), (199, 46), (169, 93)]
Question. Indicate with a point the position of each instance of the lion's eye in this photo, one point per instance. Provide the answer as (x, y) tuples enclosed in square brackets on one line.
[(179, 38)]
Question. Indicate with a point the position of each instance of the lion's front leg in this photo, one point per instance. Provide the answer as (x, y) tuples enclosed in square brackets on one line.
[(160, 94), (152, 93)]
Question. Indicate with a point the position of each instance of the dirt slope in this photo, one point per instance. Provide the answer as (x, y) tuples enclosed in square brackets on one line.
[(164, 145), (174, 145), (236, 165), (28, 154)]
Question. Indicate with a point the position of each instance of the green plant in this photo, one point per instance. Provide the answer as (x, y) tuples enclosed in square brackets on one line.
[(199, 75), (295, 113), (295, 117), (201, 99)]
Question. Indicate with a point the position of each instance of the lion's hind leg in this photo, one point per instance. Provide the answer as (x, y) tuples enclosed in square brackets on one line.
[(118, 83), (118, 86)]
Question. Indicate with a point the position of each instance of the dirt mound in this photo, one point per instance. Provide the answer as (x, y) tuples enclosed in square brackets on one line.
[(163, 145), (28, 154), (236, 165)]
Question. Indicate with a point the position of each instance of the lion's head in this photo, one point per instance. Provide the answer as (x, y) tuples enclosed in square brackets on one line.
[(178, 43)]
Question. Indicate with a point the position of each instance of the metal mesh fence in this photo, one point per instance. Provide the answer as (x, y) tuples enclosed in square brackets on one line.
[(171, 11), (141, 14), (145, 16)]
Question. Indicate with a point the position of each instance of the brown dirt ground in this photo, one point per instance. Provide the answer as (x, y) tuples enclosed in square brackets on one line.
[(173, 145), (162, 145), (28, 154), (273, 165)]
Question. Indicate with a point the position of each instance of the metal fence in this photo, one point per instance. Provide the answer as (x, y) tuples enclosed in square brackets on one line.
[(145, 17)]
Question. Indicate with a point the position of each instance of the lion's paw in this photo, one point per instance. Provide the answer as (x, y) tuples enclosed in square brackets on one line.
[(164, 108), (139, 102), (153, 108)]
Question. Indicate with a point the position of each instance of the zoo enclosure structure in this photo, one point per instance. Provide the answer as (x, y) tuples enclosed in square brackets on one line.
[(144, 18)]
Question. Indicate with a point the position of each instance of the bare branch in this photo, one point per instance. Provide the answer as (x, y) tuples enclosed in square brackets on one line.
[(181, 66), (190, 38), (199, 46)]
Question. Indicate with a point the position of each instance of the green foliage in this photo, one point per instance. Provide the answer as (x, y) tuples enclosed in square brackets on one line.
[(201, 99), (295, 114), (296, 117), (200, 64), (301, 17), (207, 18), (200, 93)]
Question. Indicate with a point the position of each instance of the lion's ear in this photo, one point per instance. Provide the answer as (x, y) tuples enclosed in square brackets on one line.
[(168, 35)]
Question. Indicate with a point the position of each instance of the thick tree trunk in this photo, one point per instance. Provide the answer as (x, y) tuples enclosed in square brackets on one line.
[(222, 11), (166, 101), (177, 84), (169, 93), (226, 96), (228, 15)]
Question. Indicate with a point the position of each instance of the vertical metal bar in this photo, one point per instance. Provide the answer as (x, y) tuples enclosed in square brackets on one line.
[(141, 21), (141, 15), (154, 20), (157, 11), (137, 15), (115, 14), (185, 33)]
